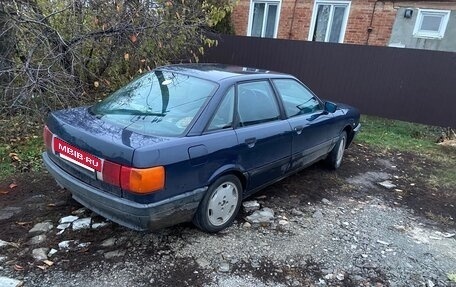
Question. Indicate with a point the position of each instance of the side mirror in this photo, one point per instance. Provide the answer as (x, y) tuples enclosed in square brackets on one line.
[(330, 107)]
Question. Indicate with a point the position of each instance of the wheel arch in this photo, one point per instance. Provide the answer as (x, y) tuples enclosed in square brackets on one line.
[(350, 134), (237, 171)]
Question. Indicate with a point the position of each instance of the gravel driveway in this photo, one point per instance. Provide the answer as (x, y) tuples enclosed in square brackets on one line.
[(371, 223)]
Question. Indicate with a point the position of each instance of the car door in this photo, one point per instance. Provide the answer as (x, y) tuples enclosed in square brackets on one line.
[(313, 133), (264, 136)]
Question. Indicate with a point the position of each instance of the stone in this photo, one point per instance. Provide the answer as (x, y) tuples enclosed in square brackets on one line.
[(108, 242), (83, 245), (52, 252), (203, 262), (429, 283), (113, 254), (37, 239), (63, 226), (326, 201), (263, 216), (4, 243), (340, 277), (68, 219), (10, 282), (383, 242), (79, 211), (40, 253), (387, 184), (283, 222), (8, 212), (247, 225), (68, 244), (329, 276), (41, 227), (255, 264), (82, 223), (251, 205), (296, 212), (224, 267), (99, 225), (317, 215)]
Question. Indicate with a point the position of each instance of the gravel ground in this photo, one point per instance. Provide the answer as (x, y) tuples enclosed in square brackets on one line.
[(353, 227)]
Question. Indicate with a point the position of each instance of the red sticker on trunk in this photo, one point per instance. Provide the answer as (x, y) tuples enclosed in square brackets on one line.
[(82, 157)]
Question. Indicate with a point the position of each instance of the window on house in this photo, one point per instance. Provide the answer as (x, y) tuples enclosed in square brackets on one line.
[(431, 24), (263, 18), (329, 21)]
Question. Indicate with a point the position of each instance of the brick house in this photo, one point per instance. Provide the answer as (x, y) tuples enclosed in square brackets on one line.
[(411, 24)]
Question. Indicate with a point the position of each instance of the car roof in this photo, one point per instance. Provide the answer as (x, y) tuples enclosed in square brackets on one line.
[(220, 72)]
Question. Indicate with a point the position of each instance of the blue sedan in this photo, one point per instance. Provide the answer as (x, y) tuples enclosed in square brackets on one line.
[(190, 142)]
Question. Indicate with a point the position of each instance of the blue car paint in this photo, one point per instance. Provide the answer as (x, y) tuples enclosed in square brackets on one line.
[(259, 154)]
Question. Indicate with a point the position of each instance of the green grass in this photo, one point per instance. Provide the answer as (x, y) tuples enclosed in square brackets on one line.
[(398, 135), (28, 151)]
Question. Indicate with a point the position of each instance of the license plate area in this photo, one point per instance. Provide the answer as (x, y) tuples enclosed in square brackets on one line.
[(77, 156)]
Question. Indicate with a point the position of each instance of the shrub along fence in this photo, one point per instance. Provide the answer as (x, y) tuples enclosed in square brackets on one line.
[(404, 84)]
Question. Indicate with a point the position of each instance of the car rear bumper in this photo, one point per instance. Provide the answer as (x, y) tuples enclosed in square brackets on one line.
[(133, 215)]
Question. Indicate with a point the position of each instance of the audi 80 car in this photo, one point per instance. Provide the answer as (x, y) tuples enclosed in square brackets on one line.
[(189, 142)]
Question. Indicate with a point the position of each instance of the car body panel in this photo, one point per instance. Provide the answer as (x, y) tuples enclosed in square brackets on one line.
[(254, 152)]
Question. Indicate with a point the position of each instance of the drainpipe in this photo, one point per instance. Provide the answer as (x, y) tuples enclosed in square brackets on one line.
[(369, 29), (292, 20)]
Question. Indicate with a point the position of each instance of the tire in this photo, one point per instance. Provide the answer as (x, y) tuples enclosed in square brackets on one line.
[(335, 156), (220, 204)]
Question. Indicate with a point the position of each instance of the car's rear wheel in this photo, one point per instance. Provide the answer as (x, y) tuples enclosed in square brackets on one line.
[(220, 204), (334, 158)]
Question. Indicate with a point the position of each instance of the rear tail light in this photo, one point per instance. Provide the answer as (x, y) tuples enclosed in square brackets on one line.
[(47, 137), (111, 173), (142, 180), (136, 180)]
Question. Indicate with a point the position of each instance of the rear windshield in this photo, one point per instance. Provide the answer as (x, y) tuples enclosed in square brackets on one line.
[(158, 103)]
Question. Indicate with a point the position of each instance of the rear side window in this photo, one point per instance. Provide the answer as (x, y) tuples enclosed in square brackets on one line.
[(159, 103), (296, 98), (223, 117), (256, 103)]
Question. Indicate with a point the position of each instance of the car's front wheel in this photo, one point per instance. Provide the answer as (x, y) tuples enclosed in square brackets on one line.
[(220, 204), (334, 158)]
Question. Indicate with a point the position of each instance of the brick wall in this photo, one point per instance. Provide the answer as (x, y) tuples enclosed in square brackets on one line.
[(296, 15)]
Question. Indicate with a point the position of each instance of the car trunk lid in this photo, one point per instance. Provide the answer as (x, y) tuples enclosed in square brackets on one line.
[(82, 143)]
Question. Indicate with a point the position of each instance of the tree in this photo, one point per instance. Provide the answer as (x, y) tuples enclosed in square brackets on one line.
[(56, 53)]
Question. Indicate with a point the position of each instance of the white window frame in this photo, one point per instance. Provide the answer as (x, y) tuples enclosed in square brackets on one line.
[(276, 25), (418, 33), (314, 18)]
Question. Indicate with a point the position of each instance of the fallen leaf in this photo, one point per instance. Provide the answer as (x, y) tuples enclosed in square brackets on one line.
[(96, 84), (48, 262), (18, 267), (12, 185), (42, 267), (4, 192), (14, 156), (133, 38), (126, 56), (52, 205)]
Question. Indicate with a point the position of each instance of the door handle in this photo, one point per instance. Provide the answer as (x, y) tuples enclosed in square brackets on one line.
[(298, 129), (250, 142)]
